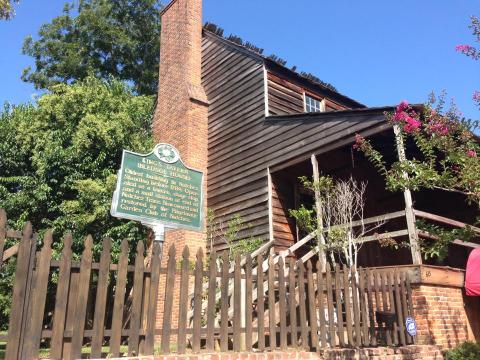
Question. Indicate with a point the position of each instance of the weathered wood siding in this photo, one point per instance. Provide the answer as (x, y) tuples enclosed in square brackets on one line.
[(283, 224), (234, 83), (243, 143), (284, 97)]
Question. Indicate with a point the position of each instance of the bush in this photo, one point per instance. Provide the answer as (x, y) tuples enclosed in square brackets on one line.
[(466, 351)]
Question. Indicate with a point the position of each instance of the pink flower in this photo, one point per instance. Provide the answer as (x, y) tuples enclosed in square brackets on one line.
[(463, 48), (438, 128), (472, 153), (359, 142), (476, 95), (411, 125), (402, 106), (400, 116)]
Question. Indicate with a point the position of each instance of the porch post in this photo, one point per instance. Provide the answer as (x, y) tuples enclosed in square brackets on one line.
[(318, 206), (409, 213)]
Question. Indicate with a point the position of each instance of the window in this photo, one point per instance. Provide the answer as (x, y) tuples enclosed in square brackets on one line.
[(313, 105)]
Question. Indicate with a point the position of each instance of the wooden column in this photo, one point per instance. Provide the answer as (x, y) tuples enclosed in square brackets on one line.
[(409, 213), (318, 208)]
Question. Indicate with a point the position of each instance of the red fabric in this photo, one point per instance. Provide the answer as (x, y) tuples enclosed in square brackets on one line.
[(472, 279)]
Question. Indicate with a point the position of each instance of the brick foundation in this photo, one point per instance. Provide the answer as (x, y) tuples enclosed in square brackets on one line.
[(424, 352), (440, 314)]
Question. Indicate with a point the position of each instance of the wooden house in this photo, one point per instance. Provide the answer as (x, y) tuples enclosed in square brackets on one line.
[(255, 126)]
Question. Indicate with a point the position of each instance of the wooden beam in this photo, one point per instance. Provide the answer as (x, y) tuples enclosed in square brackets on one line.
[(409, 214), (11, 251), (425, 234), (318, 207), (444, 220)]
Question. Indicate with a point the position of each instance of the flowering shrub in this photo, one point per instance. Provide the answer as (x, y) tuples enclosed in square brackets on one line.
[(448, 151), (446, 158)]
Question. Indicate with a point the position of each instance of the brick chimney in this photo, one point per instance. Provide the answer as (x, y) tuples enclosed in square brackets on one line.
[(181, 116)]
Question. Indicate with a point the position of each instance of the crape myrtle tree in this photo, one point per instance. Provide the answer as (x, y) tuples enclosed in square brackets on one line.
[(105, 38), (449, 154), (448, 161), (58, 163)]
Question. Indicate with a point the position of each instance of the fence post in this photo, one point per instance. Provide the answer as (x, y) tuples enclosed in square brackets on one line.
[(22, 274)]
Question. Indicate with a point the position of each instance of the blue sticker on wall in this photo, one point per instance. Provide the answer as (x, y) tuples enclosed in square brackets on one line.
[(411, 326)]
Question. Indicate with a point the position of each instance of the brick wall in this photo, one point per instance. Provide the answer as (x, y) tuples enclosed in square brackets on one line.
[(181, 115), (440, 315)]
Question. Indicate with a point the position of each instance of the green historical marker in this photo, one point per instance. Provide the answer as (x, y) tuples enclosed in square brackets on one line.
[(158, 190)]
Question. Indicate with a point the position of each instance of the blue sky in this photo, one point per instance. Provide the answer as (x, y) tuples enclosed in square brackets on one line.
[(377, 52)]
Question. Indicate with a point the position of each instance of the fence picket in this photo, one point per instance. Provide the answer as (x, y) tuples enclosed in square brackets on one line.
[(237, 298), (302, 300), (398, 306), (136, 314), (370, 285), (19, 293), (348, 304), (321, 306), (292, 303), (282, 304), (271, 304), (197, 301), (363, 308), (71, 306), (224, 303), (153, 298), (260, 305), (338, 304), (120, 288), (42, 271), (168, 301), (331, 320), (101, 300), (388, 332), (356, 307), (312, 309), (391, 301), (248, 303), (211, 311), (3, 233), (82, 298), (60, 312), (404, 295), (183, 304)]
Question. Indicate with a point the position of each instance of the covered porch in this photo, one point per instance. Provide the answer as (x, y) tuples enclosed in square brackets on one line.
[(396, 238)]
